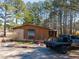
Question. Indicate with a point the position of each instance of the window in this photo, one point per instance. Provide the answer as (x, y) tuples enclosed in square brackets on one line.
[(31, 34)]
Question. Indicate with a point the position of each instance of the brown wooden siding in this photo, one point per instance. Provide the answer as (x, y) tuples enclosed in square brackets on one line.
[(40, 34)]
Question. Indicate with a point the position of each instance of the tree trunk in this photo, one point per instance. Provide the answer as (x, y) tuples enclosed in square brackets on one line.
[(74, 24), (65, 23), (5, 27), (16, 20), (5, 18), (71, 20), (60, 21)]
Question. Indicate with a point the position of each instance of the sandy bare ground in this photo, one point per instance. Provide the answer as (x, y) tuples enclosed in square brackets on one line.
[(9, 36), (35, 53)]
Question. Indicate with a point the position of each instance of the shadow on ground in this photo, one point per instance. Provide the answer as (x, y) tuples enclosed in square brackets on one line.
[(41, 53)]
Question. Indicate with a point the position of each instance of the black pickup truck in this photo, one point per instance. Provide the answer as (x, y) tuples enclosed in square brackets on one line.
[(61, 44)]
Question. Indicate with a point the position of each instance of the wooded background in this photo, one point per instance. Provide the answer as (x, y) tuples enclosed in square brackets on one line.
[(60, 15)]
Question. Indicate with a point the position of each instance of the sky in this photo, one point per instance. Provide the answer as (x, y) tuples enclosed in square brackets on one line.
[(32, 0)]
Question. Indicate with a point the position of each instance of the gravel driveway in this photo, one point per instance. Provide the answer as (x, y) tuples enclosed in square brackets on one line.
[(35, 53)]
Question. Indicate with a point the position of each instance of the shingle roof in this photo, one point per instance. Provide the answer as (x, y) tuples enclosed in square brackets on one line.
[(30, 25)]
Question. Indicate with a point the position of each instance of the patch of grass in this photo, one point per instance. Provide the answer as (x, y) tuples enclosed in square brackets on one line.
[(21, 42), (25, 42)]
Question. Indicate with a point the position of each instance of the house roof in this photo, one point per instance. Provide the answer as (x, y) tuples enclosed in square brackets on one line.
[(18, 27)]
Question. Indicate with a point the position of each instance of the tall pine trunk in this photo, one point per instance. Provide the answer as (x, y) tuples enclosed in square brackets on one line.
[(71, 20), (5, 18), (5, 25), (60, 22), (65, 23)]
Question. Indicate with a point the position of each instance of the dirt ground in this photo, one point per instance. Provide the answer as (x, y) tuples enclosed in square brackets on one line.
[(35, 53)]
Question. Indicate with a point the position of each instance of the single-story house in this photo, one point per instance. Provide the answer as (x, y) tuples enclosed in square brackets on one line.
[(31, 32)]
